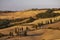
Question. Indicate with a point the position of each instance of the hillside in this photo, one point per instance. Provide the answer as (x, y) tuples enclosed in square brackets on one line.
[(21, 14), (40, 34), (38, 24)]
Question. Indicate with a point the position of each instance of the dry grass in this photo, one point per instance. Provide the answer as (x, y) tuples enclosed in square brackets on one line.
[(23, 14), (40, 34)]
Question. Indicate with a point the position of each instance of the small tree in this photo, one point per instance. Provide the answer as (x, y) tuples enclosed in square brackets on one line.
[(55, 20), (11, 34), (42, 23), (59, 19), (25, 33), (36, 26), (39, 25), (17, 31), (22, 28), (47, 22), (50, 11), (27, 28), (50, 20)]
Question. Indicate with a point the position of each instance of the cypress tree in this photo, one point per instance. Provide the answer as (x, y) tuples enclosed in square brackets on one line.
[(50, 20)]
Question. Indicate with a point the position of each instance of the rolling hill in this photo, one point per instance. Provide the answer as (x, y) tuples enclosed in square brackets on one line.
[(30, 18)]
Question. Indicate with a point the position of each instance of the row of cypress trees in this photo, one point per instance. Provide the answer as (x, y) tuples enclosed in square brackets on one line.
[(19, 32), (48, 22)]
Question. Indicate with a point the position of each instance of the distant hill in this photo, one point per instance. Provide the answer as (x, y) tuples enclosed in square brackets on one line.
[(43, 24), (32, 16)]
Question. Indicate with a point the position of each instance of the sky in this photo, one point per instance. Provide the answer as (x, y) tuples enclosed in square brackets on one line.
[(28, 4)]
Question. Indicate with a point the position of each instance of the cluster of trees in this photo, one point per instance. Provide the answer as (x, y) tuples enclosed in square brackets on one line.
[(47, 14), (19, 32), (47, 22), (30, 20), (17, 20), (7, 11), (4, 23), (22, 32)]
